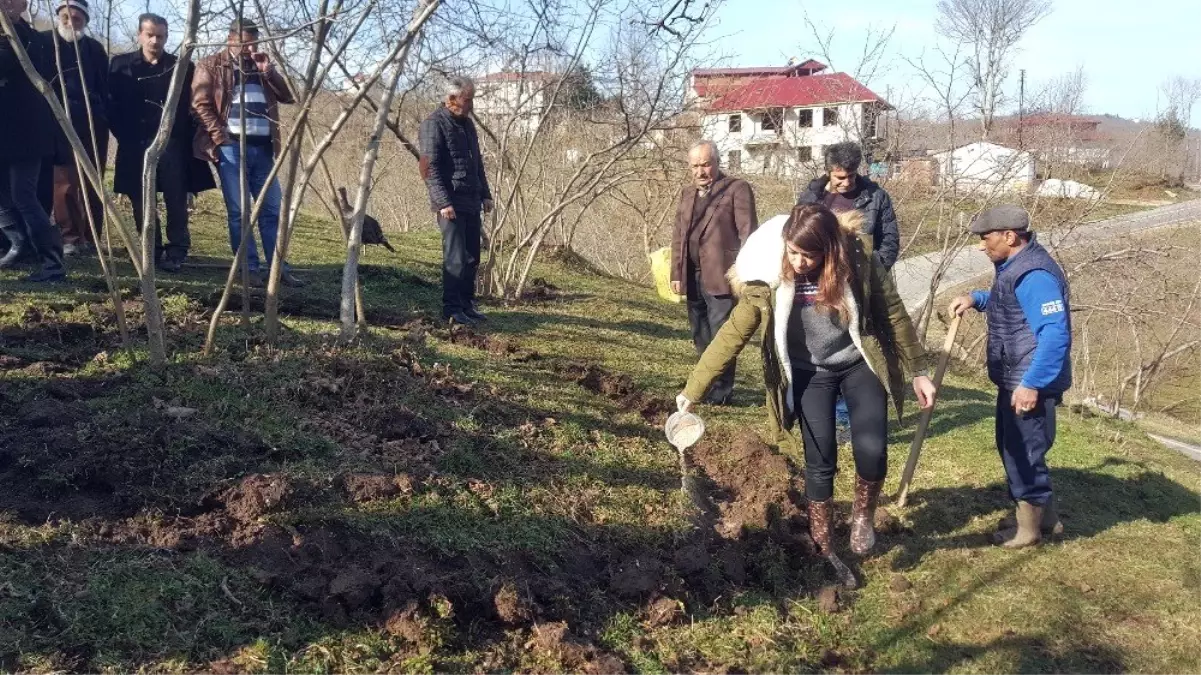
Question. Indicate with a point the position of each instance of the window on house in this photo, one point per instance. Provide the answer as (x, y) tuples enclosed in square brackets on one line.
[(734, 161), (871, 118), (804, 153), (773, 119), (830, 117), (805, 118), (735, 123)]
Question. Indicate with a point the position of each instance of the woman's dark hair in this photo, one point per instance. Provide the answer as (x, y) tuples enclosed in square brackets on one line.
[(845, 156), (813, 228)]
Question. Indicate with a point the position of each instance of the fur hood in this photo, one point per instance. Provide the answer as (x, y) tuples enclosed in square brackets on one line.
[(761, 258)]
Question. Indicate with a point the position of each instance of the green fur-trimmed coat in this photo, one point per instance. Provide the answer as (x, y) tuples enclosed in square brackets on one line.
[(879, 323)]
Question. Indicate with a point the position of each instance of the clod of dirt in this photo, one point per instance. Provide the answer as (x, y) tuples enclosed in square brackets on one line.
[(886, 523), (934, 630), (691, 559), (900, 584), (255, 496), (831, 659), (827, 599), (548, 636), (510, 606), (636, 578), (757, 479), (604, 664), (48, 413), (663, 611), (406, 623), (368, 487), (354, 587)]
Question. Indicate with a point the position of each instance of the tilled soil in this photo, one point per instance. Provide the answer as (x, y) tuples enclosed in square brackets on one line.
[(119, 460)]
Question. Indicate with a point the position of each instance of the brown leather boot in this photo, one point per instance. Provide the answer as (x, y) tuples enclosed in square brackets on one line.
[(1027, 533), (863, 515), (821, 517)]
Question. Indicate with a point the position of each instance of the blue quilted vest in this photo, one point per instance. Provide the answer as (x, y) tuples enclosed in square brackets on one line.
[(1011, 343)]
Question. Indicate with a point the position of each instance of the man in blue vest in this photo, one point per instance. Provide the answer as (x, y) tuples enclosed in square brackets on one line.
[(1029, 341)]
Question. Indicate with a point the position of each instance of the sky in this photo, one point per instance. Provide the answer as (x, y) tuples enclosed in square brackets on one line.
[(1127, 49)]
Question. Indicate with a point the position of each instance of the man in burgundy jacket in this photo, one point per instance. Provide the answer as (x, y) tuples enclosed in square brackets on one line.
[(715, 216)]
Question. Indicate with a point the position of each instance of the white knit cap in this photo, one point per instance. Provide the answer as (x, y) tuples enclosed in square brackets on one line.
[(81, 5)]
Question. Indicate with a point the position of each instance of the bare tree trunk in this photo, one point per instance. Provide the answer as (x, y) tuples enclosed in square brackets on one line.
[(154, 312), (350, 272)]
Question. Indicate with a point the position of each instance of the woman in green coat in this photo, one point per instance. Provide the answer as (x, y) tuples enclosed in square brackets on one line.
[(830, 320)]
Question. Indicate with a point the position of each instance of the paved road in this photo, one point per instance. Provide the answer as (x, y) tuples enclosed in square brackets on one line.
[(913, 275), (1187, 449)]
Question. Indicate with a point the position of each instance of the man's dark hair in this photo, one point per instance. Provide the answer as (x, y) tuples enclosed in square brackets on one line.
[(845, 156), (150, 17), (247, 26)]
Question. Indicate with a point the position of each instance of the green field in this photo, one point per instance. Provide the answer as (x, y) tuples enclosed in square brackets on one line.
[(502, 500)]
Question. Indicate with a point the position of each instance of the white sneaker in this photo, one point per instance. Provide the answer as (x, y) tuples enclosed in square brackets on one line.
[(70, 250)]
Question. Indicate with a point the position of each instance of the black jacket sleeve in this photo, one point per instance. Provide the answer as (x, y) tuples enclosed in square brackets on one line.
[(433, 155), (887, 236)]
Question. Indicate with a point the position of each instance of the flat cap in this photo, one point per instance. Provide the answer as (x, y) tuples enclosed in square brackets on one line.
[(999, 218)]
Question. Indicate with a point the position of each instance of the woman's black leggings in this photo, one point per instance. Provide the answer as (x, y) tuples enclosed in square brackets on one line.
[(815, 394)]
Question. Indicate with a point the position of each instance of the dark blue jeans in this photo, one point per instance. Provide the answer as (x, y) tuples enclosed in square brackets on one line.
[(259, 161), (22, 215), (1023, 441), (460, 260)]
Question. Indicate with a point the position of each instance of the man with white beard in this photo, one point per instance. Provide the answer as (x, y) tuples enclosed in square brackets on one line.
[(84, 75)]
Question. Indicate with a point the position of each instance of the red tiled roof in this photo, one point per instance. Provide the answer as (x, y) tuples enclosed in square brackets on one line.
[(792, 92), (515, 77), (762, 71)]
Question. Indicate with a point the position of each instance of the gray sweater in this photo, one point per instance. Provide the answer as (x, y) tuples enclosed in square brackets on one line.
[(817, 338)]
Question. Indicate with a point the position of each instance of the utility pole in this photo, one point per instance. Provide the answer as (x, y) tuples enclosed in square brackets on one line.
[(1021, 104)]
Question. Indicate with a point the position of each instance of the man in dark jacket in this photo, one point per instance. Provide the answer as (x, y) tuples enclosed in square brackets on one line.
[(85, 78), (453, 170), (1029, 359), (138, 83), (222, 81), (714, 217), (842, 189), (26, 141)]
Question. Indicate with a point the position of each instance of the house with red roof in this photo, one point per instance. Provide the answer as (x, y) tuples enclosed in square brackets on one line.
[(779, 120), (522, 97)]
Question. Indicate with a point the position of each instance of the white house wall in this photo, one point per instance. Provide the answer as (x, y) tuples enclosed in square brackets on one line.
[(987, 166), (779, 148)]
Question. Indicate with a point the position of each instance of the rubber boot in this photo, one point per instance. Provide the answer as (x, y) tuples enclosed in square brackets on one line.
[(19, 248), (1051, 524), (1027, 532), (863, 515), (821, 516)]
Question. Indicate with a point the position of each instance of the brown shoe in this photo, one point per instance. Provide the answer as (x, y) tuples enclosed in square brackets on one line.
[(1051, 524), (821, 516), (1027, 532), (863, 515)]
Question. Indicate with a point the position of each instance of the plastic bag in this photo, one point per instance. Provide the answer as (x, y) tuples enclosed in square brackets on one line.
[(661, 270)]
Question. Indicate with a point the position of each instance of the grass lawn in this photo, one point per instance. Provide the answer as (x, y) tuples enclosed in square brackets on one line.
[(502, 500)]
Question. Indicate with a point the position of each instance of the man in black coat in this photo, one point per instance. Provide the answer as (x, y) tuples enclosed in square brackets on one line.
[(85, 78), (26, 140), (138, 84), (453, 170), (842, 189)]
